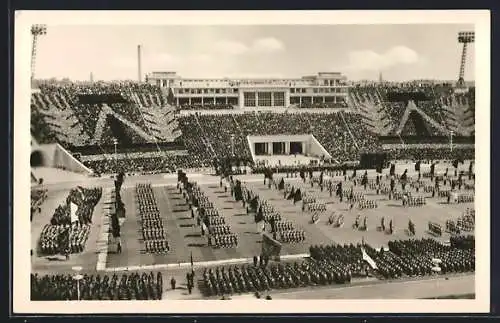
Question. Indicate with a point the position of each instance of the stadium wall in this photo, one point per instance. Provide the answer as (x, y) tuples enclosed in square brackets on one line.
[(54, 155), (317, 149)]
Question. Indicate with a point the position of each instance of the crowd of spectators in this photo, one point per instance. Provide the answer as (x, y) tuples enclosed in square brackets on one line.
[(429, 152), (336, 133), (343, 135), (124, 287), (158, 164), (134, 101), (435, 101)]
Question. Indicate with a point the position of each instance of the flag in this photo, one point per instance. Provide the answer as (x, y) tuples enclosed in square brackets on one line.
[(298, 196), (270, 247), (192, 262), (259, 217), (72, 210), (368, 259), (417, 166), (81, 191), (281, 184)]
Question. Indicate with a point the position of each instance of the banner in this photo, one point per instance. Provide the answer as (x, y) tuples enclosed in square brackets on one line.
[(72, 210), (368, 259), (270, 247)]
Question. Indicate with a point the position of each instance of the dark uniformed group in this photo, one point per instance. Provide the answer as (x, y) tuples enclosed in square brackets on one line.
[(219, 230), (465, 198), (416, 257), (347, 258), (62, 236), (290, 236), (367, 204), (337, 220), (153, 231), (265, 276), (97, 287), (465, 223), (320, 207), (38, 196), (54, 238), (283, 232), (219, 234)]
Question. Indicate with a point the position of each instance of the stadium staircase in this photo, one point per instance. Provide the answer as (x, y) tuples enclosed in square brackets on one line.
[(101, 122), (237, 125), (404, 119), (348, 129), (432, 122)]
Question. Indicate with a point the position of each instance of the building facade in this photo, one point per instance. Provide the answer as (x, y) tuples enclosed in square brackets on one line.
[(326, 89)]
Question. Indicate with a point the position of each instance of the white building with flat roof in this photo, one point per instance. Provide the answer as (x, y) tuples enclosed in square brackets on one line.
[(327, 89)]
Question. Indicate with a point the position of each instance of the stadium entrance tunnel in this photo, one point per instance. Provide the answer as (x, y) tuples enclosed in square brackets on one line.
[(37, 159)]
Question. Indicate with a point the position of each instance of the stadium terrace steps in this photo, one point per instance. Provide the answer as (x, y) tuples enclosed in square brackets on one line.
[(431, 121)]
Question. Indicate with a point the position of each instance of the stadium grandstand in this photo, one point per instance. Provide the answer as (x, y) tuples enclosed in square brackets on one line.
[(152, 135)]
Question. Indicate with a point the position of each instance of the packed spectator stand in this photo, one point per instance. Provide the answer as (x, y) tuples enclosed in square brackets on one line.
[(66, 113)]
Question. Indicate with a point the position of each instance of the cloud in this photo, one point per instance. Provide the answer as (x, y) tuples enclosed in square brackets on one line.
[(258, 46), (369, 60), (228, 47), (267, 45)]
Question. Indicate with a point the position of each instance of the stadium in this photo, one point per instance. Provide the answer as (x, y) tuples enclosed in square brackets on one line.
[(312, 187)]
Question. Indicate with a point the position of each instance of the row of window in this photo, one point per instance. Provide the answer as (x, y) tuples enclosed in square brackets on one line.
[(318, 90), (264, 99), (235, 90), (207, 91), (314, 99), (200, 101)]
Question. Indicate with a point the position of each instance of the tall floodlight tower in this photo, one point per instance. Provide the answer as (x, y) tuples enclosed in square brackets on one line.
[(139, 72), (36, 31), (464, 37)]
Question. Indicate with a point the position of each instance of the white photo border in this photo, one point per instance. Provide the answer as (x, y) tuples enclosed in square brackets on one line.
[(21, 241)]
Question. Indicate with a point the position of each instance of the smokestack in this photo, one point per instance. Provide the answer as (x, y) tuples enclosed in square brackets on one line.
[(139, 72)]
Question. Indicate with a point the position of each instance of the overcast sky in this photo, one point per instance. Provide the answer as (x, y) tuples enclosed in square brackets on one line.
[(400, 52)]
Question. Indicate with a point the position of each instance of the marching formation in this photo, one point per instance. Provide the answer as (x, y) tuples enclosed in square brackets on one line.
[(211, 221), (69, 226), (153, 231)]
